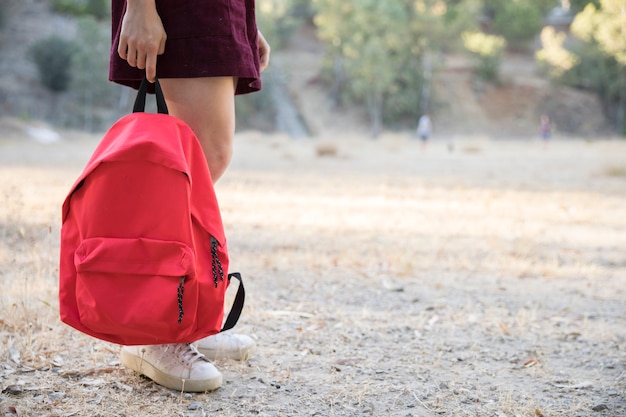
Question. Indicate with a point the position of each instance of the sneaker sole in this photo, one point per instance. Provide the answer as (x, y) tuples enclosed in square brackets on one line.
[(144, 367), (237, 355)]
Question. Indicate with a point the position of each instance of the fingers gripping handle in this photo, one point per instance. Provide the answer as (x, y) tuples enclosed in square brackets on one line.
[(140, 101)]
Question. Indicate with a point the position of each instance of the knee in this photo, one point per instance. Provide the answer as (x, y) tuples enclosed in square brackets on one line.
[(218, 156)]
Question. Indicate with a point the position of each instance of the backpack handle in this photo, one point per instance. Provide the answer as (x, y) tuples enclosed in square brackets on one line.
[(237, 307), (140, 101)]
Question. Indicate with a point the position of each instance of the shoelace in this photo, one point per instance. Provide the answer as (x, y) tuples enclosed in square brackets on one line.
[(188, 353)]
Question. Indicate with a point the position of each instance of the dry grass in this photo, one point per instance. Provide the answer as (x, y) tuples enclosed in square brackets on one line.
[(327, 149), (391, 282)]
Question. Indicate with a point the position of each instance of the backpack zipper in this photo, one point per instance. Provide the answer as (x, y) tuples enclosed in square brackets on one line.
[(180, 291), (218, 272), (218, 275)]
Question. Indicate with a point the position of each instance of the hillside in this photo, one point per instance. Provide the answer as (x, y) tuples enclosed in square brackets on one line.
[(26, 22), (462, 106)]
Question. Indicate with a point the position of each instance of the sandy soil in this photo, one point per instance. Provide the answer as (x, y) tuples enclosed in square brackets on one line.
[(382, 280)]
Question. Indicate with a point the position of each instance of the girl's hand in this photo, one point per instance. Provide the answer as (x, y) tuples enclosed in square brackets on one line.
[(264, 52), (142, 37)]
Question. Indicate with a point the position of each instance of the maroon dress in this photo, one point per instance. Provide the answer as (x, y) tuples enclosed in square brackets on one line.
[(205, 38)]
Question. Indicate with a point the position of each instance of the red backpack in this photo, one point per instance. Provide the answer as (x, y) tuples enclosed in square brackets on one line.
[(143, 253)]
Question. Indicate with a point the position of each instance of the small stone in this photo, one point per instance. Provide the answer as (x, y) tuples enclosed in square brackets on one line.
[(13, 390), (56, 396), (194, 405), (600, 407)]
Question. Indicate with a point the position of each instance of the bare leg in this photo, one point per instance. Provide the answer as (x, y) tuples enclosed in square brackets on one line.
[(207, 105)]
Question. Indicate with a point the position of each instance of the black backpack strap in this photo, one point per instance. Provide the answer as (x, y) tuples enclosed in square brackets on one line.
[(237, 307), (140, 101)]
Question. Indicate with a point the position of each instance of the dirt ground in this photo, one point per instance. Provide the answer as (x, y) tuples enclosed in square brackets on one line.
[(476, 278)]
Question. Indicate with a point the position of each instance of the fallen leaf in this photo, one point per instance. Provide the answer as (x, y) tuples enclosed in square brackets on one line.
[(538, 413), (531, 362)]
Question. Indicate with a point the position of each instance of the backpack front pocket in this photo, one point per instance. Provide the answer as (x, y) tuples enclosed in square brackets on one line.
[(137, 287)]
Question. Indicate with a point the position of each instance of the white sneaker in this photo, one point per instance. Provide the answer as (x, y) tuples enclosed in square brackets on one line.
[(227, 346), (180, 367)]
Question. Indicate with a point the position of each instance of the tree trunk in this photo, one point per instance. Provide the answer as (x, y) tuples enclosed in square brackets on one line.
[(621, 106)]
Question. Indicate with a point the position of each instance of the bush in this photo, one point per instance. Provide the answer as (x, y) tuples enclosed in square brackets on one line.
[(53, 58), (487, 51), (518, 22)]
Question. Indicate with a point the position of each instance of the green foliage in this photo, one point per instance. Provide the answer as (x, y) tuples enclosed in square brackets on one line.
[(278, 19), (605, 26), (600, 56), (365, 38), (376, 49), (90, 71), (518, 22), (100, 9), (553, 56), (492, 8), (53, 58), (487, 51), (91, 57), (595, 71), (603, 31), (578, 5)]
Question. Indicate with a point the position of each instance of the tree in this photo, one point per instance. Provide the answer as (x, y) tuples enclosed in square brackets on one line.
[(379, 53), (606, 28), (600, 55), (90, 69), (363, 44), (487, 52), (518, 22), (578, 5), (553, 56)]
